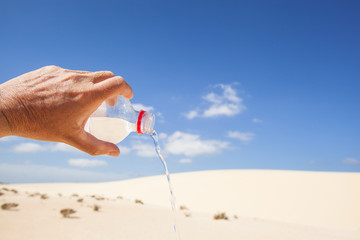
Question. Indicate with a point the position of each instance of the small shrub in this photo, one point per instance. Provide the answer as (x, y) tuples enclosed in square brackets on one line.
[(44, 196), (235, 216), (187, 214), (96, 208), (139, 201), (5, 189), (75, 195), (183, 207), (97, 197), (120, 197), (14, 191), (34, 194), (220, 216), (66, 212), (1, 193), (59, 194), (80, 200), (8, 206)]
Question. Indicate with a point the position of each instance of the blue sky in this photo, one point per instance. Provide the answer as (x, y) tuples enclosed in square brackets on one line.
[(234, 84)]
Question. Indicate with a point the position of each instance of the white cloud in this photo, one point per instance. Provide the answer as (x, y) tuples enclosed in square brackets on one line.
[(139, 106), (242, 136), (61, 147), (257, 120), (163, 135), (351, 161), (144, 149), (31, 147), (124, 150), (31, 173), (180, 143), (143, 145), (213, 98), (81, 162), (221, 109), (227, 103), (185, 160), (192, 114)]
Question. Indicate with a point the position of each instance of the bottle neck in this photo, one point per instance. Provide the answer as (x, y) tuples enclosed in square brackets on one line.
[(139, 122), (145, 123)]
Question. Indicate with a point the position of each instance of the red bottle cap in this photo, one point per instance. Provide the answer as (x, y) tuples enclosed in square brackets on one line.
[(141, 115)]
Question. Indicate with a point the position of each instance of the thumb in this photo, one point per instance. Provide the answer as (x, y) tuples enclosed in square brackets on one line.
[(86, 142)]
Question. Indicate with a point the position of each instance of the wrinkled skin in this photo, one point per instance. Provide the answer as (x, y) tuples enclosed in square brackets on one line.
[(53, 104)]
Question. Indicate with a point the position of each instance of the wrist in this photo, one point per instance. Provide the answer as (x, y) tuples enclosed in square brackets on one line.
[(5, 126)]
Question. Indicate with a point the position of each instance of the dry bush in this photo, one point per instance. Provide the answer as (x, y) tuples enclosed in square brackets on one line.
[(59, 194), (1, 193), (75, 195), (187, 214), (235, 216), (183, 207), (80, 200), (5, 189), (96, 208), (139, 201), (119, 197), (44, 196), (8, 206), (220, 216), (97, 197), (66, 212), (34, 194), (14, 191)]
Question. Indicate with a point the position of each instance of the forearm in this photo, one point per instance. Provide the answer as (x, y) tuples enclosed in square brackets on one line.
[(5, 129)]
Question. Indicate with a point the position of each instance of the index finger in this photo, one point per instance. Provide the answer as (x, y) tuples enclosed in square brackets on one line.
[(113, 86), (101, 76)]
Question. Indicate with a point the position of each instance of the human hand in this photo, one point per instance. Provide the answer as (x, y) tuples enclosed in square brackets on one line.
[(53, 104)]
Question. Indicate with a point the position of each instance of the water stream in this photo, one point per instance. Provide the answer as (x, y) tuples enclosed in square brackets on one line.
[(172, 196)]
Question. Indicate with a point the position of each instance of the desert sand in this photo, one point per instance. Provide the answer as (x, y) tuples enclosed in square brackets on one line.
[(259, 204)]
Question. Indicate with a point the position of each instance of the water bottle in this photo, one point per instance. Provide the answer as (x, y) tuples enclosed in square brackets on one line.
[(113, 124)]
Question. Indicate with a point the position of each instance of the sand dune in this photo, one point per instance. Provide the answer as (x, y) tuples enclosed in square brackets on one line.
[(260, 204)]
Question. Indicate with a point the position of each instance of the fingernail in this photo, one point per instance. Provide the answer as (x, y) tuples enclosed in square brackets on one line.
[(113, 153)]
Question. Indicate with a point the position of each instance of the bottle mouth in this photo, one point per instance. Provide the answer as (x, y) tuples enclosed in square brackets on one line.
[(145, 122)]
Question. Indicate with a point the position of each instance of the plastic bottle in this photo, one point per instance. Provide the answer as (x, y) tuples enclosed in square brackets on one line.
[(113, 124)]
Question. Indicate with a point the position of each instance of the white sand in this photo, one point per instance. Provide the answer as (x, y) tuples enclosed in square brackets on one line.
[(269, 205)]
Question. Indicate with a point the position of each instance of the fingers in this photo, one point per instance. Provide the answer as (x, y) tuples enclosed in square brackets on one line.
[(96, 76), (101, 76), (112, 101), (107, 86), (86, 142), (77, 71), (80, 72), (112, 87)]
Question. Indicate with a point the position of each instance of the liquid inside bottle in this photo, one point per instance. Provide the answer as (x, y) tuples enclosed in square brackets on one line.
[(112, 130)]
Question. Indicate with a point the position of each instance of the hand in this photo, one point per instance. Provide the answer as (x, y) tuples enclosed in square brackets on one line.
[(53, 104)]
